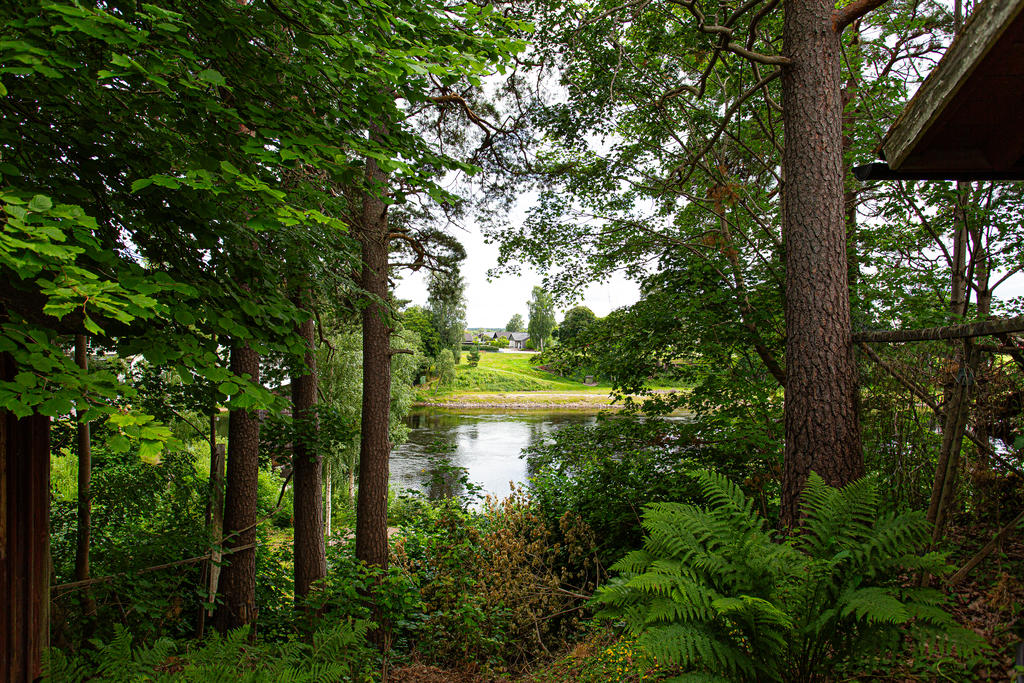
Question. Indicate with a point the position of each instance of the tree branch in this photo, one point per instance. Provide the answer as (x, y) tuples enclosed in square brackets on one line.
[(980, 329), (844, 16)]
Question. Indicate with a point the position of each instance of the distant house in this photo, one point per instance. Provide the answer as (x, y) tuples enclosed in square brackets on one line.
[(485, 337), (517, 340), (468, 338), (503, 335)]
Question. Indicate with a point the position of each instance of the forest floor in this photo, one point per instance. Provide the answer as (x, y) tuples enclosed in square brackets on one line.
[(512, 382), (990, 602)]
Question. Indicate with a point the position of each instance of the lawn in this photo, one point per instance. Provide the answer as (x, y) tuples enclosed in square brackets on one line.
[(513, 372)]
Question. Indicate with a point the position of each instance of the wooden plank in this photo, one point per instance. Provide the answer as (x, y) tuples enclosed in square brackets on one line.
[(986, 26)]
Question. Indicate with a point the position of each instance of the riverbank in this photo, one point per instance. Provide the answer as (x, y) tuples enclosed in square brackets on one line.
[(533, 400), (509, 381)]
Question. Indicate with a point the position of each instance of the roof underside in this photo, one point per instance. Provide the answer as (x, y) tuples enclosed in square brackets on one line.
[(968, 116)]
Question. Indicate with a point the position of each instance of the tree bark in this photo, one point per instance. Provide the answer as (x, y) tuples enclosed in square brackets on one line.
[(307, 465), (24, 540), (238, 577), (374, 444), (328, 495), (822, 431)]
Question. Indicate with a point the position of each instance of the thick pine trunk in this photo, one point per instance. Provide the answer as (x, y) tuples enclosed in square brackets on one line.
[(307, 465), (374, 445), (822, 433), (238, 577), (24, 540)]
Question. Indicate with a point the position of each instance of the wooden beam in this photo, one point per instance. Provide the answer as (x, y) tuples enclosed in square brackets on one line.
[(981, 329), (983, 31)]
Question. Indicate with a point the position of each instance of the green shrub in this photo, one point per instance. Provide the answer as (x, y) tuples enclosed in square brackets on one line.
[(607, 472), (714, 592)]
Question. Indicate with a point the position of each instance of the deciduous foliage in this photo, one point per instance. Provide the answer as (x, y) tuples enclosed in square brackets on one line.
[(576, 322), (447, 303), (542, 316)]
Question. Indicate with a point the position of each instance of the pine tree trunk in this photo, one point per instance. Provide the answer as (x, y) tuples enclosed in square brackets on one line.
[(238, 577), (24, 539), (307, 465), (822, 433), (374, 445), (84, 496)]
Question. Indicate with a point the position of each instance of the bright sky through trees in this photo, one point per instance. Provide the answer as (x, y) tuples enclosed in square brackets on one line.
[(492, 303)]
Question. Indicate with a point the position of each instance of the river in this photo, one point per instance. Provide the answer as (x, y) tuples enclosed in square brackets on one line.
[(485, 442)]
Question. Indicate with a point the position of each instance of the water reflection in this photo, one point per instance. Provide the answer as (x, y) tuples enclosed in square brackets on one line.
[(485, 443)]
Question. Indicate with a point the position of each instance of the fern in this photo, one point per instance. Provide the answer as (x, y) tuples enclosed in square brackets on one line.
[(713, 592), (338, 653)]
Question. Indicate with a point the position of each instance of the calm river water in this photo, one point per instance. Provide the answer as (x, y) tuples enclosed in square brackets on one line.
[(486, 443)]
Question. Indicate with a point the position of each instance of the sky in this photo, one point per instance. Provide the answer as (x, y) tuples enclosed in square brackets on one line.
[(491, 303)]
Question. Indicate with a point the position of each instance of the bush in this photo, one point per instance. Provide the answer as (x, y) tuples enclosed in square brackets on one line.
[(445, 368), (606, 473), (714, 593)]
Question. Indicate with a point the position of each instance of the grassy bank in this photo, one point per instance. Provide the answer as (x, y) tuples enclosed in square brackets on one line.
[(510, 380)]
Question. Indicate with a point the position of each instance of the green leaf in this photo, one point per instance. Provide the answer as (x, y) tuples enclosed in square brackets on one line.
[(212, 76), (118, 443), (40, 203), (56, 406), (141, 183), (228, 388)]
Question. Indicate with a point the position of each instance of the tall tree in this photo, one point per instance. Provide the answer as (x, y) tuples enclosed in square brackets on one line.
[(307, 463), (575, 323), (515, 324), (238, 577), (83, 541), (734, 113), (375, 447), (542, 316), (447, 303)]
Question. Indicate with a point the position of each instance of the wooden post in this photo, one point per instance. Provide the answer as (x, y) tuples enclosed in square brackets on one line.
[(24, 541)]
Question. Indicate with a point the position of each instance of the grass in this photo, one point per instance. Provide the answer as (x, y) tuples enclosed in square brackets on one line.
[(502, 372), (510, 378)]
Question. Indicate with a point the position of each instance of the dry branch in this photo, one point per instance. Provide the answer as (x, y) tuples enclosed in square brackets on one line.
[(996, 326)]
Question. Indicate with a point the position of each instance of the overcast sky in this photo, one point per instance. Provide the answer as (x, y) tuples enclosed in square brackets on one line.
[(493, 303)]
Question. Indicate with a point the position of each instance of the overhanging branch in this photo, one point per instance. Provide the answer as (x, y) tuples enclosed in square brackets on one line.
[(980, 329), (844, 16)]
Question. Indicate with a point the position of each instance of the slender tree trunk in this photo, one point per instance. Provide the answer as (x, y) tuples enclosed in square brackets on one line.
[(84, 495), (374, 445), (328, 496), (24, 540), (214, 521), (238, 577), (352, 484), (307, 465), (822, 433)]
